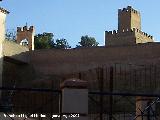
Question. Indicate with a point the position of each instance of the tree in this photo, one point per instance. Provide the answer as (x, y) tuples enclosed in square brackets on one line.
[(61, 44), (44, 40), (10, 35), (87, 41)]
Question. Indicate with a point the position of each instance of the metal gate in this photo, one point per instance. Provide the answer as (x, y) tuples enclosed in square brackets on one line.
[(27, 103)]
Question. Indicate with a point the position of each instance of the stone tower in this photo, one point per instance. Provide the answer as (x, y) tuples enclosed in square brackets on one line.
[(128, 18), (25, 36), (129, 29), (3, 14)]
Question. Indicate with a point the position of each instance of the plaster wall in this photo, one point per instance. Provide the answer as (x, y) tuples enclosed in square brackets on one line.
[(15, 51), (2, 26), (2, 37)]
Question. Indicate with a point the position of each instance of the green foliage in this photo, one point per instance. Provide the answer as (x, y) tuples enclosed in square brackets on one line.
[(46, 41), (87, 41), (61, 44), (43, 41)]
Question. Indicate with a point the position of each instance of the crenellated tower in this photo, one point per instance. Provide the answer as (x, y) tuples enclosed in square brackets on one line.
[(128, 18), (129, 29), (25, 36)]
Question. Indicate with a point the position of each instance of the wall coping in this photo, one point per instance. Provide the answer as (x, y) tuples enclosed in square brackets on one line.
[(74, 83)]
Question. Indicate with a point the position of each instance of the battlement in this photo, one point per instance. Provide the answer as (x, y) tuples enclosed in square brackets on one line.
[(25, 36), (142, 33), (25, 28), (128, 32), (117, 32), (129, 29), (129, 9), (4, 10)]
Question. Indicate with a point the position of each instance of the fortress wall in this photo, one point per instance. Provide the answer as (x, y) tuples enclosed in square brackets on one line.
[(50, 62), (142, 37), (142, 33), (116, 38), (15, 51), (127, 37)]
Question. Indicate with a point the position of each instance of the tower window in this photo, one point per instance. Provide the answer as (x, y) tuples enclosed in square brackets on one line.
[(24, 42)]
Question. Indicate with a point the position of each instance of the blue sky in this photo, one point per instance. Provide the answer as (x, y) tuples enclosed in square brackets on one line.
[(70, 19)]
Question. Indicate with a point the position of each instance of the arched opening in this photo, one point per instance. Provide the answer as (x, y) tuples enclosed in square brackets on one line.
[(24, 42)]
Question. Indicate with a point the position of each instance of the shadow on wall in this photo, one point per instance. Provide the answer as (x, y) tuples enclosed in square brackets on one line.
[(126, 77), (41, 68), (18, 71), (21, 74)]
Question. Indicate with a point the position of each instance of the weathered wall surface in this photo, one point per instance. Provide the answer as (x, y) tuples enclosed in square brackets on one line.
[(2, 37), (128, 18), (53, 64), (141, 38), (2, 26), (26, 33), (15, 51), (49, 62), (46, 65), (126, 37), (124, 19), (129, 29), (135, 19), (15, 67), (120, 38), (18, 75)]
